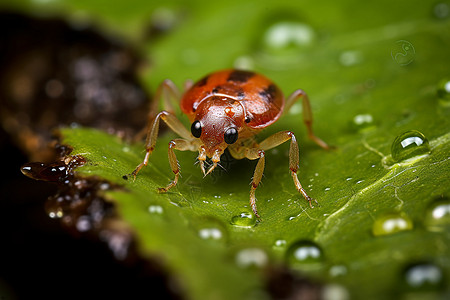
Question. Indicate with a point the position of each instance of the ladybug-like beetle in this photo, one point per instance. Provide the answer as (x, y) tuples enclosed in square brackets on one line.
[(226, 109)]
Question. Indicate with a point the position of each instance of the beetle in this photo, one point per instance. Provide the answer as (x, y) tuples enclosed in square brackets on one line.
[(227, 109)]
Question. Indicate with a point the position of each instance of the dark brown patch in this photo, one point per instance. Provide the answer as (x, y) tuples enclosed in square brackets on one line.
[(269, 93), (203, 81), (241, 95), (240, 76), (216, 89)]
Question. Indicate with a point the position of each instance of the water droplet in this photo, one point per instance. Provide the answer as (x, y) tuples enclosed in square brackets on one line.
[(284, 41), (210, 229), (441, 10), (391, 223), (163, 20), (244, 63), (252, 257), (155, 209), (210, 233), (409, 144), (304, 252), (279, 244), (350, 58), (287, 35), (56, 214), (443, 92), (338, 270), (55, 206), (363, 122), (335, 291), (437, 217), (55, 171), (244, 219), (84, 223), (423, 276)]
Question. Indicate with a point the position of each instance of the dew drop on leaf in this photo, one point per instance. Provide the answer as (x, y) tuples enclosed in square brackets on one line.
[(409, 144), (155, 209), (391, 223), (210, 229), (443, 92), (338, 270), (363, 122), (441, 10), (437, 216), (244, 219), (279, 244), (423, 276), (333, 291), (304, 252), (210, 233), (284, 40), (350, 58), (251, 257)]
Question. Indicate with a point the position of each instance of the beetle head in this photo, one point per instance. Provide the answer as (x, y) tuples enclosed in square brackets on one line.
[(217, 123)]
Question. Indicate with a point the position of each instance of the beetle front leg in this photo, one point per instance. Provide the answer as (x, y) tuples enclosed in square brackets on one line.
[(152, 135), (178, 144), (279, 138), (307, 115)]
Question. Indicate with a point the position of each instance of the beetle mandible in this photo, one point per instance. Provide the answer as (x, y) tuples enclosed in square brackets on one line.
[(227, 109)]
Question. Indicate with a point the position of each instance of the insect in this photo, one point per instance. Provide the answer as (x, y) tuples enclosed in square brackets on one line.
[(227, 109)]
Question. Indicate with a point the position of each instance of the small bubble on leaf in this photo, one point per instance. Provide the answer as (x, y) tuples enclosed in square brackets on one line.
[(338, 270), (156, 209), (391, 223), (423, 276), (251, 257), (244, 219), (443, 92), (363, 122), (441, 10), (437, 215), (279, 244), (304, 252), (210, 233)]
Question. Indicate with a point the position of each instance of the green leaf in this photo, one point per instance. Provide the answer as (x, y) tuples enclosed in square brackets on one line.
[(372, 71)]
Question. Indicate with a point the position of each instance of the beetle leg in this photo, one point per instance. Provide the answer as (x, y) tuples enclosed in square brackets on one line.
[(152, 135), (252, 152), (167, 91), (279, 138), (178, 144), (307, 115)]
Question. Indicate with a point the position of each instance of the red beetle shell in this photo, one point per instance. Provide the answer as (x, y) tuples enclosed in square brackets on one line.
[(262, 100)]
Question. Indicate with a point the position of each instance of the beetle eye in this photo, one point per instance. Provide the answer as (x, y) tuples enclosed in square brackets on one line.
[(196, 129), (231, 135)]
